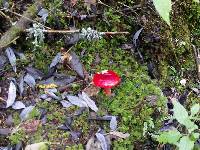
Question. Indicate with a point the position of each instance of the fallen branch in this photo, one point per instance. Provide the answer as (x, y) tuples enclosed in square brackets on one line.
[(21, 25)]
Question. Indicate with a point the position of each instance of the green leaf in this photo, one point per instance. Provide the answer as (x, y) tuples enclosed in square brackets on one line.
[(195, 135), (195, 109), (197, 1), (163, 7), (185, 143), (181, 115), (170, 137)]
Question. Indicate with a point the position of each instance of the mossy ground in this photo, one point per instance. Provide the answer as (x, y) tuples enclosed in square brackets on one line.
[(132, 101)]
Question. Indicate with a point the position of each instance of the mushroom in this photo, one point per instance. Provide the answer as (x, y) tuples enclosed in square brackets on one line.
[(106, 80)]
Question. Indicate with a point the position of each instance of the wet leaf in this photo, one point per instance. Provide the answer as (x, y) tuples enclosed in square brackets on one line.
[(113, 123), (44, 14), (102, 140), (5, 131), (56, 60), (136, 36), (76, 101), (66, 104), (25, 112), (18, 105), (30, 80), (21, 85), (35, 73), (12, 58), (11, 94), (119, 134), (89, 102), (38, 146)]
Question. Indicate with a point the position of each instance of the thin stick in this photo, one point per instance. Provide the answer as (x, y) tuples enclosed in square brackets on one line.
[(26, 18)]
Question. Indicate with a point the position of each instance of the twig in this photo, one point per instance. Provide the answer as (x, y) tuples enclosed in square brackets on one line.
[(197, 58), (77, 31), (19, 15)]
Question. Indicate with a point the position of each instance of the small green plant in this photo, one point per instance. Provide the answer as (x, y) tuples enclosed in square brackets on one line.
[(187, 132)]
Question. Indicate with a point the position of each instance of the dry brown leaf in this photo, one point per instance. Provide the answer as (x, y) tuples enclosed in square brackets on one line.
[(30, 126), (91, 90)]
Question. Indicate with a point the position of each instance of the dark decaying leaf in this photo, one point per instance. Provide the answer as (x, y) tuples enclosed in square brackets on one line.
[(35, 73), (135, 37), (11, 94), (21, 85), (25, 112), (66, 104), (18, 105), (12, 58), (113, 123), (76, 64), (5, 131), (101, 138), (30, 80), (61, 81), (77, 101), (3, 61), (56, 60), (89, 102), (53, 95)]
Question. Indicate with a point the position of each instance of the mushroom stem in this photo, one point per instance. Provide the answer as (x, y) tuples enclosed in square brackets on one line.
[(107, 91)]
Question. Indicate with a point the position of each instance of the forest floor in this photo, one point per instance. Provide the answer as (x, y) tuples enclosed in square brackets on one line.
[(47, 94)]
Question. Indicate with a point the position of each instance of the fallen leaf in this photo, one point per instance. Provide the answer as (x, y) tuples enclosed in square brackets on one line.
[(89, 102), (66, 104), (21, 85), (5, 131), (73, 60), (35, 73), (25, 112), (11, 94), (91, 90), (118, 134), (113, 123), (101, 138), (12, 58), (77, 101), (73, 2), (44, 14), (30, 80), (18, 105), (135, 37), (56, 60)]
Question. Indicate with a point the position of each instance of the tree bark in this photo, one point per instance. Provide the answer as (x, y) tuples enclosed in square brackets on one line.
[(10, 35)]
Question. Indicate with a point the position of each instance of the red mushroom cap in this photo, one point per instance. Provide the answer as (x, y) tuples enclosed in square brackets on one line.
[(106, 79)]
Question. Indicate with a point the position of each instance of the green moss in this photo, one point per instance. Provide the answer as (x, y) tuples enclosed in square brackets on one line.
[(75, 147), (16, 137)]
